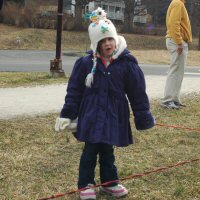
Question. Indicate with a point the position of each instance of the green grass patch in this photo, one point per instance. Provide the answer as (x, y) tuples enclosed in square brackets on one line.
[(15, 79), (37, 162)]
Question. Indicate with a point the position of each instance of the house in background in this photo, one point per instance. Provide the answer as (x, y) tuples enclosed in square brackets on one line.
[(140, 13), (113, 8)]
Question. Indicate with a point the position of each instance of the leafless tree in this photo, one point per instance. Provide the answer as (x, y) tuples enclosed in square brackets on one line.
[(79, 6), (157, 9), (128, 15), (193, 7)]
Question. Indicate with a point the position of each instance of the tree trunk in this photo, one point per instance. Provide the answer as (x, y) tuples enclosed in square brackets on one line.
[(78, 17), (79, 6), (128, 15), (128, 22), (27, 3)]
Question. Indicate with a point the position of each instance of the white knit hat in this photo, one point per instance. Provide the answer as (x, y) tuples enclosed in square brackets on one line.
[(100, 28)]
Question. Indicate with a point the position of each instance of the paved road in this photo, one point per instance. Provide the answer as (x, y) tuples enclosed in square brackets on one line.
[(39, 61), (32, 61)]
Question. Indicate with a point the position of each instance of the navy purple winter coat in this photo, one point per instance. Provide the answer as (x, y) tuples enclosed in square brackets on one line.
[(103, 110)]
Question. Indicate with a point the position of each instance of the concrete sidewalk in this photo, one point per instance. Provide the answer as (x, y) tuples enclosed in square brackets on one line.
[(30, 101)]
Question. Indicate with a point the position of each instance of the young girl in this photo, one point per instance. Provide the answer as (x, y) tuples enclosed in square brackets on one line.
[(97, 94)]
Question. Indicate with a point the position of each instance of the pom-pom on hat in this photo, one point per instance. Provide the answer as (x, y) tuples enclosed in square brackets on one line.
[(100, 28)]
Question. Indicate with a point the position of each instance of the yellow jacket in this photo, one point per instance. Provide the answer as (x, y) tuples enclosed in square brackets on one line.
[(178, 23)]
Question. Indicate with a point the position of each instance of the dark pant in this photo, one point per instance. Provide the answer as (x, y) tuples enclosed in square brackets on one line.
[(108, 170)]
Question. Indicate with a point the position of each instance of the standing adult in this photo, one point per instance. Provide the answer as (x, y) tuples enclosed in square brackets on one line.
[(178, 36)]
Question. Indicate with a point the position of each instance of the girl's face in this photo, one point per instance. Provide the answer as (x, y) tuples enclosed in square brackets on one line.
[(107, 46)]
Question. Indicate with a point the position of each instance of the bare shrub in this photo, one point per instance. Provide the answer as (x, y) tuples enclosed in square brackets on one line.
[(11, 13), (44, 22), (27, 16), (14, 14), (68, 22), (149, 30)]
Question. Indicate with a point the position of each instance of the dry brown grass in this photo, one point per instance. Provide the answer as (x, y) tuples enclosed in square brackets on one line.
[(163, 57), (147, 49), (37, 162)]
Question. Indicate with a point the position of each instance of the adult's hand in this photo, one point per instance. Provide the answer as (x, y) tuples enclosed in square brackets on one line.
[(180, 49)]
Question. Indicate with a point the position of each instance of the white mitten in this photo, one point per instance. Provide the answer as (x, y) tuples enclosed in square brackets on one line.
[(73, 125), (62, 123)]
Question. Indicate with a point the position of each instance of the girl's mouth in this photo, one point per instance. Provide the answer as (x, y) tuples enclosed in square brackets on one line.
[(108, 49)]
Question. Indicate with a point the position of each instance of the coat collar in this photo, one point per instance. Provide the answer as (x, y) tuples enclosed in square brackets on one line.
[(120, 48)]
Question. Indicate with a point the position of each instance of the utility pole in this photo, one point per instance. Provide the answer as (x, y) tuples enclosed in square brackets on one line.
[(56, 64)]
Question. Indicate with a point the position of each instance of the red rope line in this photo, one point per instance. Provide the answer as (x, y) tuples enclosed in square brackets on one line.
[(179, 127), (126, 178)]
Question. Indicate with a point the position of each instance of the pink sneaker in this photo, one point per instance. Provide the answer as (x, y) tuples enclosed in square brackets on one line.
[(115, 191), (88, 193)]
